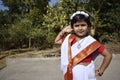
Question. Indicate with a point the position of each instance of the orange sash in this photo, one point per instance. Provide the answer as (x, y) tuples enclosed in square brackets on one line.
[(79, 57)]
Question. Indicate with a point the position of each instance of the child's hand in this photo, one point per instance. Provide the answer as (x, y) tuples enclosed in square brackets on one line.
[(67, 29), (98, 73)]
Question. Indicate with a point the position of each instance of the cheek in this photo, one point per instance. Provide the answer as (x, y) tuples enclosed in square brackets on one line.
[(86, 28)]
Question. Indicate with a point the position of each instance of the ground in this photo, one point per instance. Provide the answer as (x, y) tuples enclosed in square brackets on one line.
[(49, 69), (32, 64)]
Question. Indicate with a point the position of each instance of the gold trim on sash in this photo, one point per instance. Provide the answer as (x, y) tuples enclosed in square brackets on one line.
[(68, 75), (86, 52)]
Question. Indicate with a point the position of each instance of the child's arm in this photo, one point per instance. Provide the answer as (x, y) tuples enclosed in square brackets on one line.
[(59, 37), (106, 61)]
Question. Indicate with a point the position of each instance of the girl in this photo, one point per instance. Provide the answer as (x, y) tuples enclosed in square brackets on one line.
[(79, 50)]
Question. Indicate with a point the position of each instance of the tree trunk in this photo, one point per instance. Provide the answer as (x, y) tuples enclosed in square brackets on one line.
[(29, 42)]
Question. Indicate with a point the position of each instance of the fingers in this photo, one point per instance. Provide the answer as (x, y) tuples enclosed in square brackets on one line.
[(67, 29), (98, 73)]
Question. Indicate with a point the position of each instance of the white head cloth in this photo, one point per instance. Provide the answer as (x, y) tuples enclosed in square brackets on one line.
[(79, 12)]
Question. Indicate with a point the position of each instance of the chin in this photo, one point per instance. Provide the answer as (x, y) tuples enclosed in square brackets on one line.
[(80, 35)]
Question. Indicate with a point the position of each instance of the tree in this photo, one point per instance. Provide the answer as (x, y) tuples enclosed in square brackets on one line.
[(22, 20), (108, 13), (54, 21)]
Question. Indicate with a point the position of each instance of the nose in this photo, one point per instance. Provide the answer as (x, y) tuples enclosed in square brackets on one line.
[(80, 27)]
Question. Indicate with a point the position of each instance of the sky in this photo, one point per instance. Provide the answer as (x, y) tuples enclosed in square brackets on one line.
[(52, 1), (3, 7)]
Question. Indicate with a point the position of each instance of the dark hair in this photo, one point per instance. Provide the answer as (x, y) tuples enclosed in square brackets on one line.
[(80, 17)]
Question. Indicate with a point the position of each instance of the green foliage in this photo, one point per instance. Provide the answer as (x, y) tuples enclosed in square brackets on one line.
[(109, 13), (32, 23), (55, 19), (35, 16)]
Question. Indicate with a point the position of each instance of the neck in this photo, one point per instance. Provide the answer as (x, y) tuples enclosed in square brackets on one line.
[(80, 37)]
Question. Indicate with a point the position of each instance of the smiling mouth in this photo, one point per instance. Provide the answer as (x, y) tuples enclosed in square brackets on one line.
[(80, 31)]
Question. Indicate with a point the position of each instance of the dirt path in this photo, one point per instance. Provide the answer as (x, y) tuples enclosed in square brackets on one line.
[(49, 69)]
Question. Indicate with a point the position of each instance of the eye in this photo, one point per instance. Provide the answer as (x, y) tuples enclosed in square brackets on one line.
[(83, 24), (77, 25)]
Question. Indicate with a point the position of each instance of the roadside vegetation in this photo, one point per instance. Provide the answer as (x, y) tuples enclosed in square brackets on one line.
[(33, 24)]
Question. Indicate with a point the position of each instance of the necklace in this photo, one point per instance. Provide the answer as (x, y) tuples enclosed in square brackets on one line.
[(79, 44)]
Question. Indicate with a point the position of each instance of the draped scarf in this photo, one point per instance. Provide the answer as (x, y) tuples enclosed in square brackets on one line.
[(71, 55)]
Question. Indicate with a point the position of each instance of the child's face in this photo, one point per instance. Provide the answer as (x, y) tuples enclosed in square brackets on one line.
[(80, 28)]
